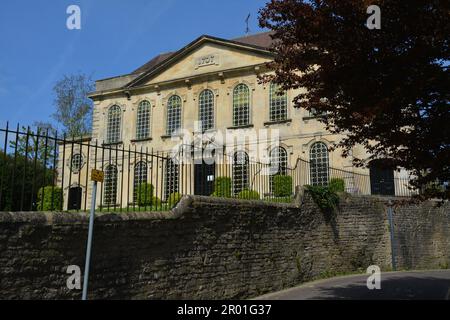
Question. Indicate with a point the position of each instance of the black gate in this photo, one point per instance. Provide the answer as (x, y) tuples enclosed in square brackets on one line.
[(75, 195), (381, 180), (204, 179)]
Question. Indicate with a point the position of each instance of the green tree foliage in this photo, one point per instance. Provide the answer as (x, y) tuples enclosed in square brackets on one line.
[(222, 187), (21, 176), (37, 141), (385, 89), (282, 186), (49, 198), (73, 107)]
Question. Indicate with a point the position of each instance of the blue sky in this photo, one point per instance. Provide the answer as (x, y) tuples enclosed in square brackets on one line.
[(116, 37)]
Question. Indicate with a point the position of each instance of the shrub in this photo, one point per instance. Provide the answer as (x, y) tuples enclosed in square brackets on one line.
[(337, 185), (46, 195), (282, 186), (156, 202), (144, 194), (222, 187), (174, 198), (325, 198), (248, 195)]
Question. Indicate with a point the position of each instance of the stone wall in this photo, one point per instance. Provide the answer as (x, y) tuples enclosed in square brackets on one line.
[(422, 236), (213, 248)]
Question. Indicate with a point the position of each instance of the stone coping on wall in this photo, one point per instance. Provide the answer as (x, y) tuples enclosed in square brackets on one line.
[(183, 208)]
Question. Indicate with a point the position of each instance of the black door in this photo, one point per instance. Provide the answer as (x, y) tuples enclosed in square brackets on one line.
[(204, 179), (381, 180), (75, 198)]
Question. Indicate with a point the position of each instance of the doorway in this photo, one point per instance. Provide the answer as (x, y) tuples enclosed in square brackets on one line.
[(381, 179), (75, 195), (204, 179)]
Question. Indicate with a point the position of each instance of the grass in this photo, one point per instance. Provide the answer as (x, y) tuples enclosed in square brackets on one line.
[(118, 209)]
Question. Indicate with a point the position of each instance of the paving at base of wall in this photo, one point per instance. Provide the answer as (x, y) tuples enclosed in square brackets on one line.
[(211, 248)]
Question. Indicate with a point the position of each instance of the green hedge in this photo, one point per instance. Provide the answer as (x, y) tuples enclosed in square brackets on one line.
[(222, 187), (46, 195), (156, 202), (337, 185), (174, 198), (282, 186), (145, 194), (248, 195)]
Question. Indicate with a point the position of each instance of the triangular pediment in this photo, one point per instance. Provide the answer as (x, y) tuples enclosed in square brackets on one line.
[(205, 56)]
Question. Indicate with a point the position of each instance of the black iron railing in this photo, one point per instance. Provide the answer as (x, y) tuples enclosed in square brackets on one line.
[(43, 171)]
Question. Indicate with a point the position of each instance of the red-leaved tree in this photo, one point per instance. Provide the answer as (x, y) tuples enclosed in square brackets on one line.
[(386, 89)]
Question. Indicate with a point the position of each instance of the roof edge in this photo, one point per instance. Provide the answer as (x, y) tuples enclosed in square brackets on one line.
[(187, 49)]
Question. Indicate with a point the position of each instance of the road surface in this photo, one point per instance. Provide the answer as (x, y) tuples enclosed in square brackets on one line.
[(414, 285)]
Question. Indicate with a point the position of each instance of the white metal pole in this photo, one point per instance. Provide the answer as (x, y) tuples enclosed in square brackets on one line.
[(89, 244), (391, 227)]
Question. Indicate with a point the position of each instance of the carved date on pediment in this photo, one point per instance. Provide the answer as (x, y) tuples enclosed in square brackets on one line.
[(211, 59)]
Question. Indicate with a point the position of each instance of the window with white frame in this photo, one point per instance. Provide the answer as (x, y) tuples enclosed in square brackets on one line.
[(143, 120), (114, 124), (173, 115), (241, 105), (240, 172), (319, 164), (278, 164), (278, 103), (206, 109), (140, 177), (172, 178), (110, 183)]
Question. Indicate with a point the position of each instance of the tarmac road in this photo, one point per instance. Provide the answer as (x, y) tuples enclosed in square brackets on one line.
[(413, 285)]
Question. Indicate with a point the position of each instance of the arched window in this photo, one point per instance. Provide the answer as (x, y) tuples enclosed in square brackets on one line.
[(240, 172), (140, 177), (278, 103), (173, 114), (319, 164), (172, 177), (241, 105), (114, 124), (143, 120), (110, 197), (278, 164), (206, 109)]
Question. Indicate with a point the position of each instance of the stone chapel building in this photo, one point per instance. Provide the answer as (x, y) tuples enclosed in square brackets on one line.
[(209, 86)]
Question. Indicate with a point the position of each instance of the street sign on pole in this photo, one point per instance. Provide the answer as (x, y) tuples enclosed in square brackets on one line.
[(96, 176)]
